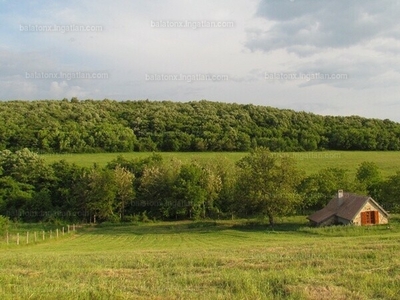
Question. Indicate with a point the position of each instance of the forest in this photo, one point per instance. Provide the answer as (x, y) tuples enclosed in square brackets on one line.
[(81, 126), (262, 184)]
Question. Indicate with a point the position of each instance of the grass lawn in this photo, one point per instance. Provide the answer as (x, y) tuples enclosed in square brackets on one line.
[(310, 162), (207, 260)]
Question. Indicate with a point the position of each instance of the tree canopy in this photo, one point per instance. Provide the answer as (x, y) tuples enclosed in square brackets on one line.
[(268, 183), (51, 126), (263, 184)]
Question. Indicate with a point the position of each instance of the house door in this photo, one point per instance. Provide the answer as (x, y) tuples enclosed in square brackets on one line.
[(369, 217)]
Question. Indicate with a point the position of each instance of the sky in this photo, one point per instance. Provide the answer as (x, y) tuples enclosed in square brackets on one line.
[(327, 57)]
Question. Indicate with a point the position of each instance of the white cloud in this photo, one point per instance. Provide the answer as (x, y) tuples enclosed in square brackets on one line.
[(324, 24)]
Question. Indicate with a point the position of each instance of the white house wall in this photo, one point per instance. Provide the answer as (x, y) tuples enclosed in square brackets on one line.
[(370, 207)]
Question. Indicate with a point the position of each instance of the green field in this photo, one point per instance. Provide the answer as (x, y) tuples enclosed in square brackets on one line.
[(207, 260), (310, 162)]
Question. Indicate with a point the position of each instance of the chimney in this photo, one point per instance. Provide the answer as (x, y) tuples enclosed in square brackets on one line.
[(340, 197)]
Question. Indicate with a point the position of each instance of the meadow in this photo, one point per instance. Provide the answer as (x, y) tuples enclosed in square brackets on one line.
[(235, 259), (310, 162), (223, 259)]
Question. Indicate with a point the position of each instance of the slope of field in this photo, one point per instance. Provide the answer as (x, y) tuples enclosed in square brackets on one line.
[(310, 162), (207, 260)]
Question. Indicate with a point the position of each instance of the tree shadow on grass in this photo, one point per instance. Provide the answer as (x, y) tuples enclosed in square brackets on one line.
[(280, 227), (203, 227)]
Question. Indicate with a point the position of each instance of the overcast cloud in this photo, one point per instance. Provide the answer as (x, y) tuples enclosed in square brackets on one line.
[(327, 57)]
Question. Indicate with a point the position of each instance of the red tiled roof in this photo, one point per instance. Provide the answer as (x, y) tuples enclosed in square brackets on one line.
[(351, 205)]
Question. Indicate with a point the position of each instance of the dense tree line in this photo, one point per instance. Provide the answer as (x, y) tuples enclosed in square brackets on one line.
[(112, 126), (261, 184)]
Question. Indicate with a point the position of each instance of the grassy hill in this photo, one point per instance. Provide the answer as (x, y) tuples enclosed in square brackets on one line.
[(310, 162), (207, 260)]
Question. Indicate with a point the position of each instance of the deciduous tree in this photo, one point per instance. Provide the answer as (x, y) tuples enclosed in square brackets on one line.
[(268, 182), (124, 187)]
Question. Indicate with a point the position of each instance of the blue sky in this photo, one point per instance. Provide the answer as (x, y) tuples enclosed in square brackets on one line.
[(327, 57)]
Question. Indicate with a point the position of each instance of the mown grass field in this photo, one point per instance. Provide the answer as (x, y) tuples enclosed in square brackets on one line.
[(310, 162), (207, 260)]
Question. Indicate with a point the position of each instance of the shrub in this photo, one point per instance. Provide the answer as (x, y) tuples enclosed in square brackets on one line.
[(4, 224), (134, 219), (145, 218)]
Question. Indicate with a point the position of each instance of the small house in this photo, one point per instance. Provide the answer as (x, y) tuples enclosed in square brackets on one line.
[(347, 208)]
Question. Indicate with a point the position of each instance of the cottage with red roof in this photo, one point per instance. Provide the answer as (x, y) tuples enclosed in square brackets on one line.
[(347, 208)]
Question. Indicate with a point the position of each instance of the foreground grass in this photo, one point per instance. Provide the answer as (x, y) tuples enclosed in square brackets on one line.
[(311, 162), (208, 260)]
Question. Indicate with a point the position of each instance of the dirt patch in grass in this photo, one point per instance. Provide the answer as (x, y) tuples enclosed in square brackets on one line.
[(328, 292)]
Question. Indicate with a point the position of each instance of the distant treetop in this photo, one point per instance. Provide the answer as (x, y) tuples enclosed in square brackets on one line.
[(51, 126)]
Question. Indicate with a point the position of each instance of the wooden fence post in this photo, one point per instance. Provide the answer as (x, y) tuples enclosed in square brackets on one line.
[(63, 230), (57, 232), (27, 237), (7, 237), (17, 238), (43, 234), (68, 228)]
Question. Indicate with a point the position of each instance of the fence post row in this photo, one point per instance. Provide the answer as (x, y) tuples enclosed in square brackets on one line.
[(35, 235)]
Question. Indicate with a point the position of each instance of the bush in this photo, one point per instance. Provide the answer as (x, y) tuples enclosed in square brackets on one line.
[(54, 221), (145, 218), (113, 219), (134, 219), (4, 224)]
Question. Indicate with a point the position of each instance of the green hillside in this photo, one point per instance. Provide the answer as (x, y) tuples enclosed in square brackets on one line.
[(310, 162), (111, 126)]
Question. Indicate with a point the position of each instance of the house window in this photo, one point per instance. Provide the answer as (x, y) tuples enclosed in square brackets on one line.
[(369, 217)]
